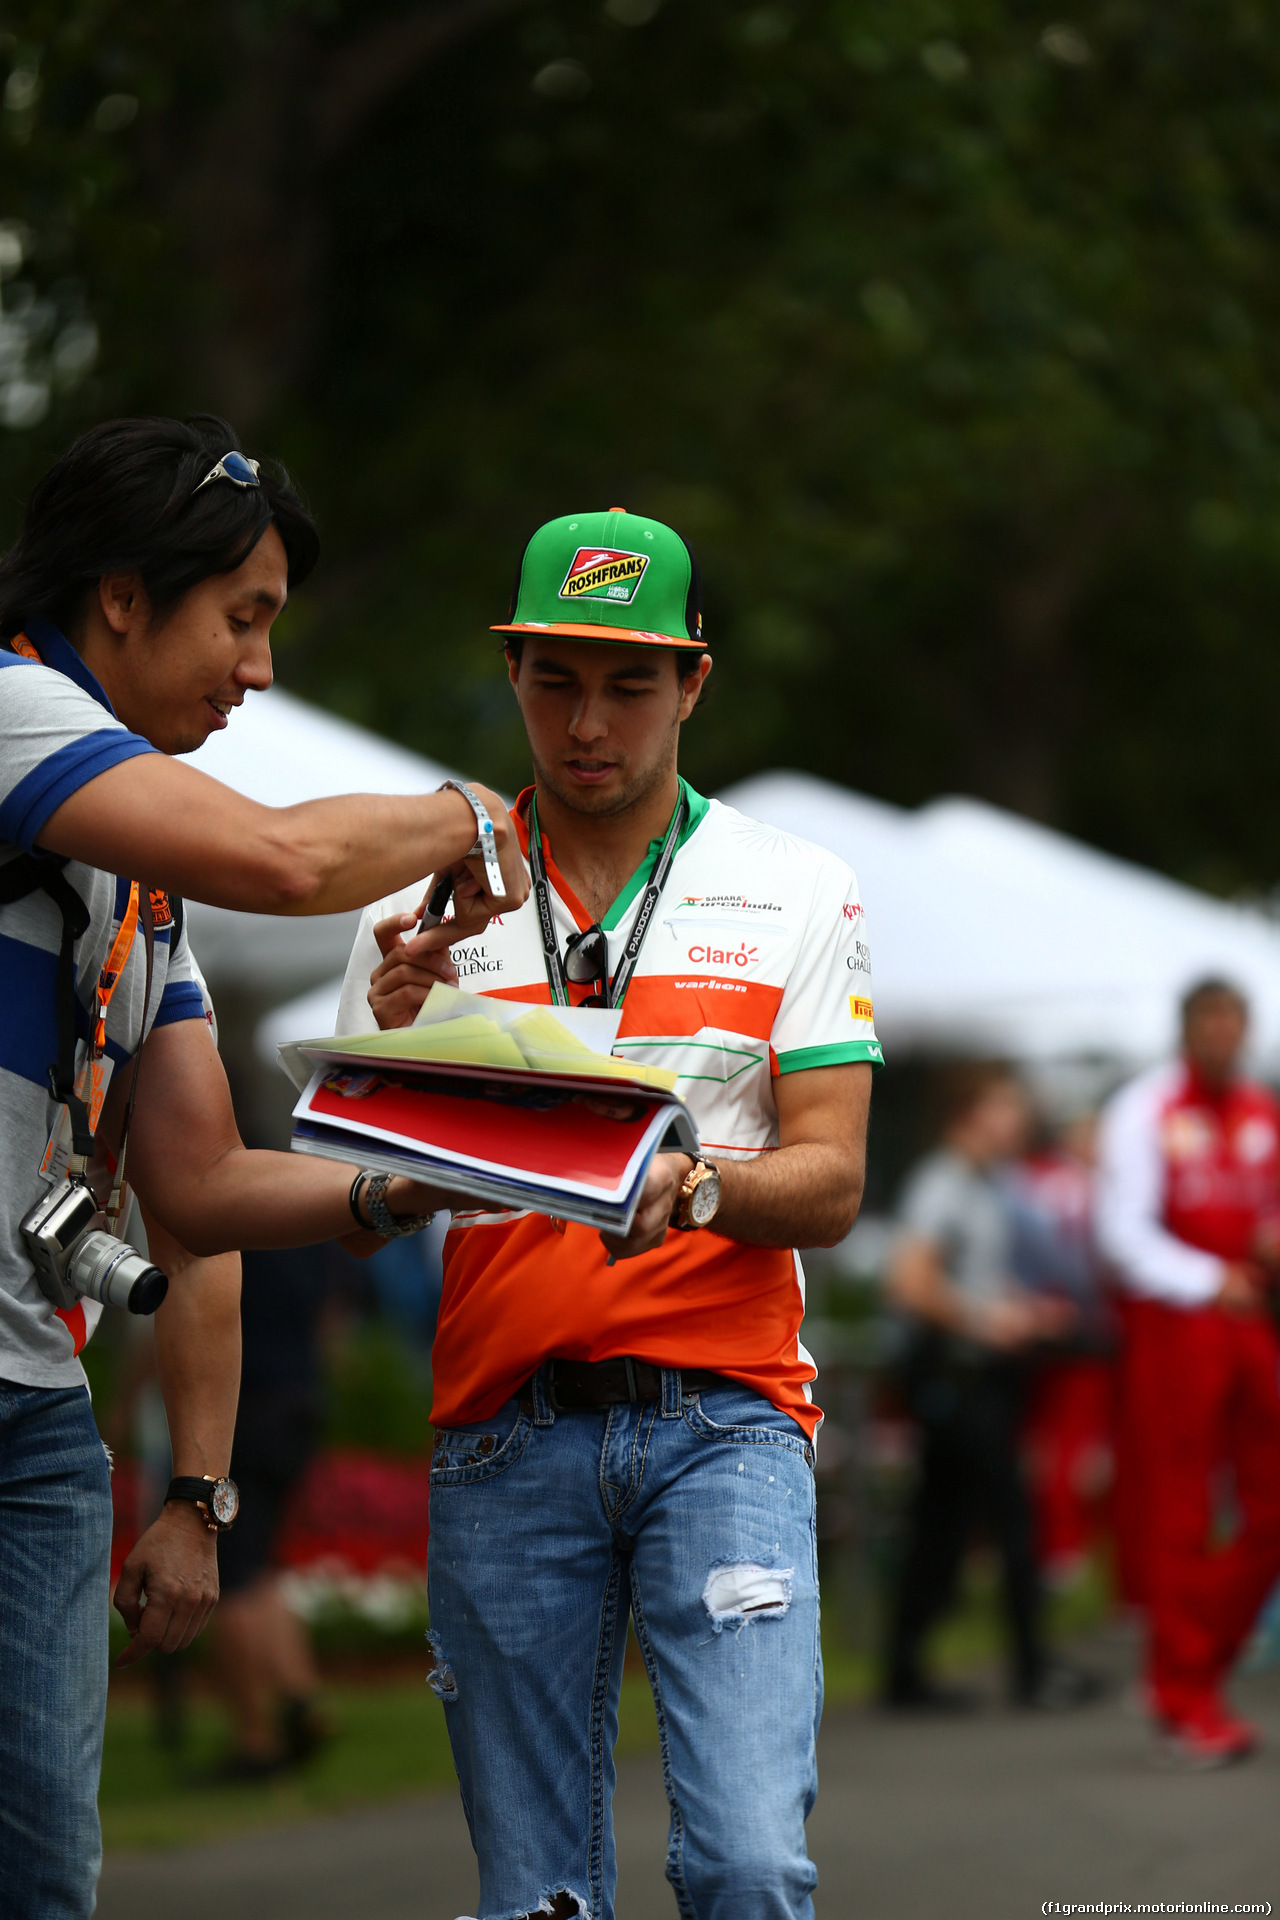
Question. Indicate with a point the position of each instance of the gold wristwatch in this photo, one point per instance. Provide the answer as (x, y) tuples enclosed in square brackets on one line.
[(698, 1200)]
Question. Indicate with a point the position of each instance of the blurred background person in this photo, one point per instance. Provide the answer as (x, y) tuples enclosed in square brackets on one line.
[(972, 1329), (1188, 1206), (265, 1667), (1070, 1412)]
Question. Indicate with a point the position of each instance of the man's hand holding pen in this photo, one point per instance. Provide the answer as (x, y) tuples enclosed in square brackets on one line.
[(411, 966), (416, 955)]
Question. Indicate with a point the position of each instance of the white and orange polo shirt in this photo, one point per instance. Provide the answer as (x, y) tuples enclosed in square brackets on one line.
[(755, 964)]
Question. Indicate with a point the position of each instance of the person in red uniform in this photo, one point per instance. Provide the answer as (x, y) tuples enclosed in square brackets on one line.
[(1188, 1212), (1071, 1408)]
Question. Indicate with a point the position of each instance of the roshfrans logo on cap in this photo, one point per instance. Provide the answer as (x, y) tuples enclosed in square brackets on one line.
[(604, 573)]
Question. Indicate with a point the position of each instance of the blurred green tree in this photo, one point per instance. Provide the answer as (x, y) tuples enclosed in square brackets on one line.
[(946, 332)]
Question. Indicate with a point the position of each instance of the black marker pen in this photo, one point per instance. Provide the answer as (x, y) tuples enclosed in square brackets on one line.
[(433, 913)]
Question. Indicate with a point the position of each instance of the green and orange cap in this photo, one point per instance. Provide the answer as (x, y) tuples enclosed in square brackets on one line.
[(608, 576)]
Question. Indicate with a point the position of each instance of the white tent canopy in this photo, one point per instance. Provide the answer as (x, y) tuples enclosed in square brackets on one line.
[(987, 932), (279, 750)]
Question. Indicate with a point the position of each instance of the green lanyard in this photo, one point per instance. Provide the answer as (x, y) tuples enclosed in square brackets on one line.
[(617, 987)]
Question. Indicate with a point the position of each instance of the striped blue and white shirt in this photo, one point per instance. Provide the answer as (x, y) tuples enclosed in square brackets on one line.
[(58, 731)]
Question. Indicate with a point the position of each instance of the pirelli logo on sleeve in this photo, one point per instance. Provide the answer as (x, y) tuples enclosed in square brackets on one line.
[(860, 1007), (604, 573)]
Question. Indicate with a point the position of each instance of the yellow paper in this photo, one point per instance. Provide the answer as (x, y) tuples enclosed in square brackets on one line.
[(533, 1042), (545, 1043), (549, 1047), (604, 1067), (466, 1042)]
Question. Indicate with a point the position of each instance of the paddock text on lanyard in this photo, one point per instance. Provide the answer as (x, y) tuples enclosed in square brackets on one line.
[(617, 987)]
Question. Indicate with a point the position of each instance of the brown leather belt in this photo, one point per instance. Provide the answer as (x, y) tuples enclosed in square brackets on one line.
[(578, 1385)]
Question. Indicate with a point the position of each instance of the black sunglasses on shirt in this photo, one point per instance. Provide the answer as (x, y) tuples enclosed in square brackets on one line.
[(586, 958)]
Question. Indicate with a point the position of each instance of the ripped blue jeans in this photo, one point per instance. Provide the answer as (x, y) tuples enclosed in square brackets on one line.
[(696, 1514)]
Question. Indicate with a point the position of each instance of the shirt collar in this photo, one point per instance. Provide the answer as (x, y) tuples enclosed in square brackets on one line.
[(57, 652), (697, 809)]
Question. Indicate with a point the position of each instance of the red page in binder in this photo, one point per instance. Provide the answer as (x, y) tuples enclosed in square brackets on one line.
[(586, 1138)]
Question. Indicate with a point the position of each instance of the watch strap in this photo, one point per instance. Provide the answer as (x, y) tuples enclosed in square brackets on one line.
[(189, 1486), (390, 1226), (199, 1489)]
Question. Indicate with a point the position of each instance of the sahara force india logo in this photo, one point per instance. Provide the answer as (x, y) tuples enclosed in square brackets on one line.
[(604, 573)]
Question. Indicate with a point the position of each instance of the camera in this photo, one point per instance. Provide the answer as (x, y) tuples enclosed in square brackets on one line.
[(72, 1258)]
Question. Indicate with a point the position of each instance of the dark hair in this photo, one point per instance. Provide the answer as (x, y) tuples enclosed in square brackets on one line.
[(687, 658), (123, 497), (1212, 987), (963, 1085)]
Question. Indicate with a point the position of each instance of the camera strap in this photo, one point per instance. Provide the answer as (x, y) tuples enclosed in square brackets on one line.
[(118, 1204), (112, 968)]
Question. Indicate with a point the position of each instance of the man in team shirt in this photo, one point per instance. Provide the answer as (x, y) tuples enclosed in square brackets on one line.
[(628, 1424), (1188, 1212)]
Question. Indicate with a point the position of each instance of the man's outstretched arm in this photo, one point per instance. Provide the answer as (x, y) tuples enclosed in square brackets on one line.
[(211, 1192), (153, 819)]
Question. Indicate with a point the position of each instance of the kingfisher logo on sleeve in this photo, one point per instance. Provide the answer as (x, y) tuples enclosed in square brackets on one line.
[(604, 573)]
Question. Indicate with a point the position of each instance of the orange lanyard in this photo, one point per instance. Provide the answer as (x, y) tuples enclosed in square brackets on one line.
[(112, 968), (114, 965)]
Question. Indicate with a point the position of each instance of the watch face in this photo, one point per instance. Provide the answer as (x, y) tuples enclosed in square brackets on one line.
[(704, 1200), (225, 1501)]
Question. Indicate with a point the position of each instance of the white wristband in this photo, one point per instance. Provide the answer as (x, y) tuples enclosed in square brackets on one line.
[(486, 840)]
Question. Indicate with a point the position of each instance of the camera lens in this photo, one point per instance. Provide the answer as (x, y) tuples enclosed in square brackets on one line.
[(109, 1270)]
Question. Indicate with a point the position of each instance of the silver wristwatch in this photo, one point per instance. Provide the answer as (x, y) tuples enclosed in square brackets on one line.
[(388, 1225)]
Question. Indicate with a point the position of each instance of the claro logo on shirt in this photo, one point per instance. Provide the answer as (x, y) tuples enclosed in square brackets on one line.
[(740, 956), (860, 1007)]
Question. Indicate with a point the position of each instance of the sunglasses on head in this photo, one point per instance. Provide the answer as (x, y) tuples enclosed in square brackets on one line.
[(235, 467), (586, 958)]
